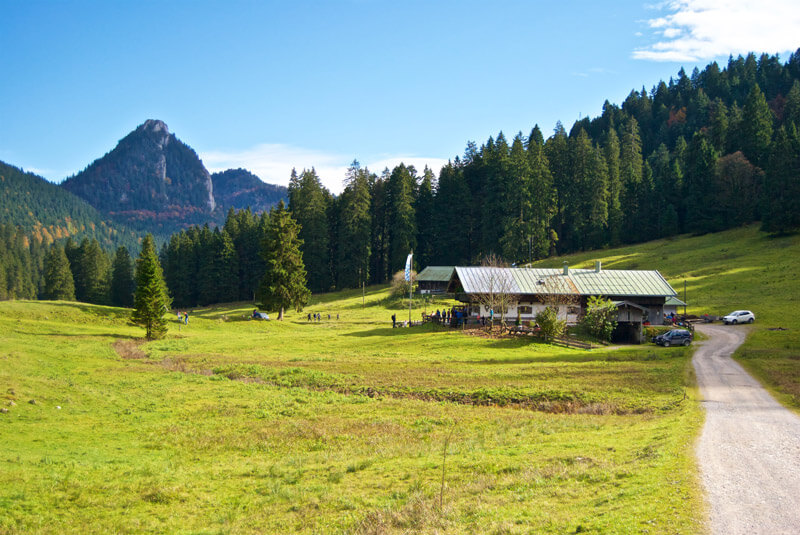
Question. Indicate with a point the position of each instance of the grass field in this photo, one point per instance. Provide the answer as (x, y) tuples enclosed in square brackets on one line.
[(237, 426)]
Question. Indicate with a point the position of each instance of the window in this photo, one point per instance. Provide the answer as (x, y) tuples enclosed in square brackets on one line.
[(573, 310), (525, 309)]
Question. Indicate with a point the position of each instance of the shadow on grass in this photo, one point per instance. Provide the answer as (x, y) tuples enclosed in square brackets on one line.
[(94, 310), (399, 331)]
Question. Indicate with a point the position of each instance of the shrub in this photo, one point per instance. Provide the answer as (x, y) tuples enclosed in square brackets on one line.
[(400, 284), (549, 323), (600, 318)]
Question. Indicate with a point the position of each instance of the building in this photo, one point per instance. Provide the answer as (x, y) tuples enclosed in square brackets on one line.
[(640, 296), (434, 279)]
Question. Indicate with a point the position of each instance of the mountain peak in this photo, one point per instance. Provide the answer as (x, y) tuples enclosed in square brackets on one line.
[(154, 126)]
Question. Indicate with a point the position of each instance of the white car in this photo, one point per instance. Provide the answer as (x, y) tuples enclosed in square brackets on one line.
[(739, 316)]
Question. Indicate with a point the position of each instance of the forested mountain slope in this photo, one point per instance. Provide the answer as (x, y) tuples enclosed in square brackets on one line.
[(46, 212)]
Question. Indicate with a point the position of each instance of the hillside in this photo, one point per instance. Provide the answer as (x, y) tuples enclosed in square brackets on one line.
[(742, 268), (150, 180), (47, 212), (240, 189)]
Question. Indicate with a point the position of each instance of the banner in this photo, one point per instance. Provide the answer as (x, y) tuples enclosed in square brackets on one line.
[(408, 267)]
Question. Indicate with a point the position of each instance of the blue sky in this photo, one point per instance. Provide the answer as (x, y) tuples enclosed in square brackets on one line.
[(272, 85)]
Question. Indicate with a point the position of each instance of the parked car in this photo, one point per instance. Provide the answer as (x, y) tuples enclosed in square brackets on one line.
[(739, 316), (675, 337)]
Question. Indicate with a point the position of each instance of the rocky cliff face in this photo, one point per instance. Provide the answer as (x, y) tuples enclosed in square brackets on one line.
[(149, 176)]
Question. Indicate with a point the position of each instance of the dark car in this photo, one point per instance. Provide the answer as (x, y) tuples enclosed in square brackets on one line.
[(675, 337)]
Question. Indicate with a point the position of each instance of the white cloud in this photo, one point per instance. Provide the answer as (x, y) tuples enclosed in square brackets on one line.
[(705, 29), (273, 163)]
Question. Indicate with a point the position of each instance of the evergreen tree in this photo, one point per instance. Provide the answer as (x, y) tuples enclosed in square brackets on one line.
[(58, 284), (756, 128), (151, 300), (308, 202), (284, 282), (791, 111), (122, 278), (424, 212), (451, 220), (401, 218), (611, 151), (542, 197), (781, 193), (354, 230), (631, 168)]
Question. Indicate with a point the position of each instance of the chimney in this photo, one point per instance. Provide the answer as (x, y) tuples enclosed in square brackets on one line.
[(566, 268), (597, 267)]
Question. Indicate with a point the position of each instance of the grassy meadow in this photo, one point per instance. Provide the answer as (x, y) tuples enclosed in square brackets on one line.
[(237, 426)]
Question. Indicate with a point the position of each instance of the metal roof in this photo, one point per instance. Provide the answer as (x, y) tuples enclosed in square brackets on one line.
[(608, 282), (674, 301), (436, 274)]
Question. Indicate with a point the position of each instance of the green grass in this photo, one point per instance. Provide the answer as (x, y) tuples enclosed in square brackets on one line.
[(237, 426), (737, 269)]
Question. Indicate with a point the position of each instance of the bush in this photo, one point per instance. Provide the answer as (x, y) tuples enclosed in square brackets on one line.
[(400, 284), (600, 318), (550, 325)]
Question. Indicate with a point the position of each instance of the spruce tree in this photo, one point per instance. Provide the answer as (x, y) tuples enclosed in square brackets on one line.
[(354, 229), (756, 128), (58, 283), (284, 282), (122, 278), (151, 300)]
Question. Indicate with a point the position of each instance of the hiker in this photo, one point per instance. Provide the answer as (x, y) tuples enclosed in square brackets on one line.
[(394, 321), (337, 316), (309, 316), (186, 318)]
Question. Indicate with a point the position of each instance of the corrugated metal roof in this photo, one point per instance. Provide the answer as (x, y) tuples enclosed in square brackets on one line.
[(607, 282), (674, 301), (487, 280), (436, 274)]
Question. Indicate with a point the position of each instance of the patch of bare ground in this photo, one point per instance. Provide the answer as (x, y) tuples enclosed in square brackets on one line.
[(130, 349), (418, 515)]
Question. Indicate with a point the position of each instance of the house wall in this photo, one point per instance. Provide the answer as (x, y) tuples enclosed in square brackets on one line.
[(535, 307)]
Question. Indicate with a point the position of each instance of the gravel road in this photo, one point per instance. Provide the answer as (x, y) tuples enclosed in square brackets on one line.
[(749, 450)]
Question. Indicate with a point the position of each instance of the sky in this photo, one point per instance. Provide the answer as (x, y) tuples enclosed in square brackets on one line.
[(269, 86)]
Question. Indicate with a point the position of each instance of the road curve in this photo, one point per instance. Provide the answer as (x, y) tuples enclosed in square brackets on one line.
[(749, 449)]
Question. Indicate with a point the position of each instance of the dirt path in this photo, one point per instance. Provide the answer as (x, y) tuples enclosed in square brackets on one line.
[(749, 450)]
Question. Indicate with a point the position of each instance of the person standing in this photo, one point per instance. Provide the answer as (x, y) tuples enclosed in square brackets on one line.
[(394, 321), (186, 318)]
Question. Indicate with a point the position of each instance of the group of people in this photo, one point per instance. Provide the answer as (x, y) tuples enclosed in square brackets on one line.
[(318, 317), (455, 317), (183, 317)]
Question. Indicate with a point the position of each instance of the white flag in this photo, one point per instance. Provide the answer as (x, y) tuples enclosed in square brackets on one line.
[(408, 267)]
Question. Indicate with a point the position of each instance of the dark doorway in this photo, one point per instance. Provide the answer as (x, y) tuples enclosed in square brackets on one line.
[(627, 332)]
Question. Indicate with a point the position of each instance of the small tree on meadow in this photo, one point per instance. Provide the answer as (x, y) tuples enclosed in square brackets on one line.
[(600, 318), (150, 300), (284, 283), (551, 327)]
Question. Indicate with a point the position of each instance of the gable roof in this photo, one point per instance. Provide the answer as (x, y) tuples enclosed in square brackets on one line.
[(613, 282), (436, 274)]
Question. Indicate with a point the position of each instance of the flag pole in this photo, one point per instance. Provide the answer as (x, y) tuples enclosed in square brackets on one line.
[(410, 280)]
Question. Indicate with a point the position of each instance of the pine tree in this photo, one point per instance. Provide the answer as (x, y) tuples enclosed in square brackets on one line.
[(151, 300), (284, 282), (58, 284), (424, 212), (122, 278)]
